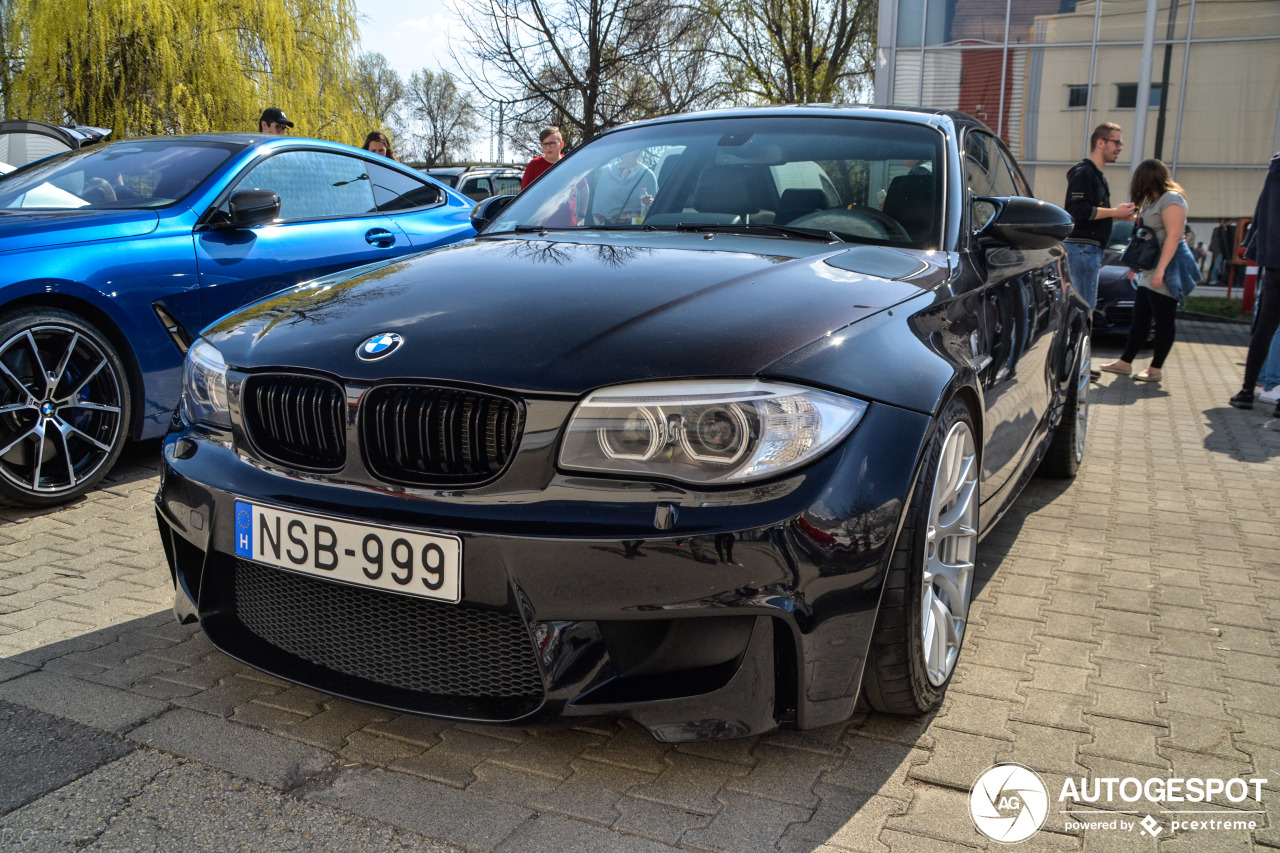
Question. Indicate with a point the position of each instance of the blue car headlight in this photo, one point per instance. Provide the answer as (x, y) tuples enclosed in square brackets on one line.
[(706, 431), (204, 386)]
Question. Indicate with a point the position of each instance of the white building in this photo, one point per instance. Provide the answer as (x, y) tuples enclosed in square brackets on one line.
[(1044, 73)]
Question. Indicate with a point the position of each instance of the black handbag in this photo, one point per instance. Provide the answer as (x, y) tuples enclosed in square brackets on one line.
[(1143, 250)]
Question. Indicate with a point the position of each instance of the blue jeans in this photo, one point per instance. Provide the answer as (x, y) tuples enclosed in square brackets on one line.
[(1270, 375), (1265, 327), (1084, 260)]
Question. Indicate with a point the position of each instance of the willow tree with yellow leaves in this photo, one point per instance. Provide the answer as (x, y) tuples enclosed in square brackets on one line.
[(143, 67)]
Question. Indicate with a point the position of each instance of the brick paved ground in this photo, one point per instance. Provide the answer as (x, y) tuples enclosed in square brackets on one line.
[(1124, 625)]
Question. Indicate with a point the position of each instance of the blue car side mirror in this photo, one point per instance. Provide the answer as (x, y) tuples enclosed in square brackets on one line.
[(250, 208)]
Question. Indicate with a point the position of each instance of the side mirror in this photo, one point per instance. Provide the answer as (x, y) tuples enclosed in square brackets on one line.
[(1022, 223), (484, 212), (250, 208)]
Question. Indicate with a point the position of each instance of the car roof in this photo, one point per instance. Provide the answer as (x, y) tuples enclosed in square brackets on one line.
[(467, 170), (920, 115), (262, 140)]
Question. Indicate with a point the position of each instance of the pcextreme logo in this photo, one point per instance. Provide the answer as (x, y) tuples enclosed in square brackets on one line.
[(1009, 803)]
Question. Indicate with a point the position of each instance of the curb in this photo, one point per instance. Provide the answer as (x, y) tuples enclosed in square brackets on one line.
[(1212, 318)]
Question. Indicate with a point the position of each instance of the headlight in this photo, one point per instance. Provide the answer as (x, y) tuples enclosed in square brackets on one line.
[(204, 386), (706, 431)]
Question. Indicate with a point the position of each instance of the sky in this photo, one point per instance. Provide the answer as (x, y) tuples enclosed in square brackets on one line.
[(412, 35)]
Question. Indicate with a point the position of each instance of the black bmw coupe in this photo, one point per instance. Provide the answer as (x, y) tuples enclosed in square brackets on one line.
[(702, 430)]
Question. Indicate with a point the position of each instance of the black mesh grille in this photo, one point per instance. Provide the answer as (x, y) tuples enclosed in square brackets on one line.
[(437, 436), (297, 420), (408, 643)]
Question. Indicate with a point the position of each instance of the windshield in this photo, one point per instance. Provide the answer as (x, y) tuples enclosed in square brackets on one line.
[(850, 178), (149, 173)]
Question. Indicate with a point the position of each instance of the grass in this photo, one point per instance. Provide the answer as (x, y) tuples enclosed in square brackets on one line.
[(1218, 306)]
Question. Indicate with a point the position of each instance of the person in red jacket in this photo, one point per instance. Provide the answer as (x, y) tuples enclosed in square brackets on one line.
[(552, 150)]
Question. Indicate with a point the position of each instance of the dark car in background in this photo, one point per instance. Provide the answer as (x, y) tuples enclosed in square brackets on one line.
[(112, 258), (717, 468), (479, 182), (1117, 285), (23, 141)]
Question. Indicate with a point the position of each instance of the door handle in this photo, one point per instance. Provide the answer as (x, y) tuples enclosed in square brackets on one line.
[(379, 237)]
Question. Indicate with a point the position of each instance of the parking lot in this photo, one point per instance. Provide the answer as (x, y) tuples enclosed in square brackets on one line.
[(1124, 625)]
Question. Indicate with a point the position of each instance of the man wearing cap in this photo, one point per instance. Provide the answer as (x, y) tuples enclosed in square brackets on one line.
[(274, 121)]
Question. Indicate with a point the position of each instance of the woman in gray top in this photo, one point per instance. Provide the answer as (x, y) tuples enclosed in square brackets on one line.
[(1162, 207)]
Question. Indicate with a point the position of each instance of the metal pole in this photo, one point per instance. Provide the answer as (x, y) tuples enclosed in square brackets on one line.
[(1144, 87), (1164, 81), (886, 56), (502, 132)]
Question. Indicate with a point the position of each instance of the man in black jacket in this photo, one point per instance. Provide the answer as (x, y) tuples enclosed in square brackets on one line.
[(1089, 203), (1263, 245)]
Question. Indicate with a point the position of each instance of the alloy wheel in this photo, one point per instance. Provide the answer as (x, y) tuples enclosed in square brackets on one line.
[(61, 410), (1082, 396), (951, 539)]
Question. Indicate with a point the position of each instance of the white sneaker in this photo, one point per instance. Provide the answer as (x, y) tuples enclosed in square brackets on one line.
[(1272, 396)]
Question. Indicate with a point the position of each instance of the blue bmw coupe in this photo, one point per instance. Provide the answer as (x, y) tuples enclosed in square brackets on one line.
[(113, 258)]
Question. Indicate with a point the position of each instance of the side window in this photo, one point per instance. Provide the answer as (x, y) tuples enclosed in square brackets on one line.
[(1019, 183), (507, 186), (985, 167), (476, 189), (393, 190), (314, 184), (987, 174)]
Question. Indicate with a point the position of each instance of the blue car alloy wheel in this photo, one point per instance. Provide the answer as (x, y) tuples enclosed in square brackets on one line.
[(64, 406)]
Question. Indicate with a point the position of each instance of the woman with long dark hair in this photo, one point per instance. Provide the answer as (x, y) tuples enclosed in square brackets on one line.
[(1162, 207), (378, 143)]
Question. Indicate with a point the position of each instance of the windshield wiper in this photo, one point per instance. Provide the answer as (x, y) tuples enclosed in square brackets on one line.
[(529, 229), (749, 228)]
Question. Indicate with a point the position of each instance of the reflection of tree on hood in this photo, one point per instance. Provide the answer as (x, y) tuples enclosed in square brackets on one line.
[(551, 252), (315, 301)]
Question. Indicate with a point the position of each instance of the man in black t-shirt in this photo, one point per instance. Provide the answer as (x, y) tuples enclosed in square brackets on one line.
[(1089, 203)]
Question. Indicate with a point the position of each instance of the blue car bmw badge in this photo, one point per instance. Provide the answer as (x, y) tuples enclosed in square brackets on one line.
[(379, 346)]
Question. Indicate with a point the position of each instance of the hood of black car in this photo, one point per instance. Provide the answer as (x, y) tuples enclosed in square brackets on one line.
[(567, 315)]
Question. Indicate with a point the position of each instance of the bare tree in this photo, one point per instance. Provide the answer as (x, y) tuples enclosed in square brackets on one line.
[(586, 65), (448, 119), (376, 91), (796, 51)]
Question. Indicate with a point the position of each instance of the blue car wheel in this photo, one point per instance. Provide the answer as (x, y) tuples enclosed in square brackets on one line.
[(64, 406)]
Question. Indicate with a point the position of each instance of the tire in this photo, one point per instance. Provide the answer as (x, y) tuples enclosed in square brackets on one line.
[(64, 406), (924, 609), (1066, 448)]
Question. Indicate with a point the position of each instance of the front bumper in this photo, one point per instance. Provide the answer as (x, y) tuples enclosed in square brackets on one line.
[(701, 615)]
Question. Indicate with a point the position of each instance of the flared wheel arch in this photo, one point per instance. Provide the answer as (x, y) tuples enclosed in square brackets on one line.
[(105, 324)]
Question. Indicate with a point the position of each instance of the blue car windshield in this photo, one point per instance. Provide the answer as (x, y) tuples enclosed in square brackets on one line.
[(859, 179), (147, 173)]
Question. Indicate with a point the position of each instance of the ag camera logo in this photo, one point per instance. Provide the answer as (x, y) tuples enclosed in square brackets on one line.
[(1008, 803)]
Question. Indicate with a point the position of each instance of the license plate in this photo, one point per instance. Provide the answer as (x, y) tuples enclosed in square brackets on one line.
[(426, 565)]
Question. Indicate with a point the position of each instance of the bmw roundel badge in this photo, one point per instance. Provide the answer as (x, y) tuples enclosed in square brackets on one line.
[(379, 346)]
